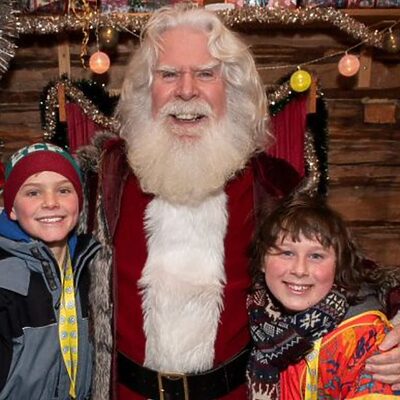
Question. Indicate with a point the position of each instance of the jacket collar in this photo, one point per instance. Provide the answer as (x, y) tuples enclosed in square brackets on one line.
[(12, 230)]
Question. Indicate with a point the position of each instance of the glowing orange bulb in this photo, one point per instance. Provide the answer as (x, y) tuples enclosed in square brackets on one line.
[(349, 65), (99, 62)]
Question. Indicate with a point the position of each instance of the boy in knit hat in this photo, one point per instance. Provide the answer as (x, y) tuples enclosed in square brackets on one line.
[(44, 345)]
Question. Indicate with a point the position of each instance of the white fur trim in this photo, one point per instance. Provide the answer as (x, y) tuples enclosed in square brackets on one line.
[(182, 283)]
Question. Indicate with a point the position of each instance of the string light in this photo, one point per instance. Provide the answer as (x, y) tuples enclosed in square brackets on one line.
[(134, 24), (99, 62), (352, 61), (300, 81), (349, 65)]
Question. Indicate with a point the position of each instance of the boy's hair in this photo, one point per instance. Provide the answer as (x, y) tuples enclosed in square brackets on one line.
[(315, 220), (37, 158)]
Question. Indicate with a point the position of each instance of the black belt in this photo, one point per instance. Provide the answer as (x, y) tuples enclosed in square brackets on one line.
[(209, 385)]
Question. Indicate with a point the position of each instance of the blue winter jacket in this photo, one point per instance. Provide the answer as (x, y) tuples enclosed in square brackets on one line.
[(31, 365)]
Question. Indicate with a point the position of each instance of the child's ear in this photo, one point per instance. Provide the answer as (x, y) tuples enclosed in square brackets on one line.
[(13, 215)]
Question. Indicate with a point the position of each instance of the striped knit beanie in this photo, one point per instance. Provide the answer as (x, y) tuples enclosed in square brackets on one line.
[(37, 158)]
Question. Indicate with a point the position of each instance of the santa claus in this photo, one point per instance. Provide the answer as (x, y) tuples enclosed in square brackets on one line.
[(175, 212)]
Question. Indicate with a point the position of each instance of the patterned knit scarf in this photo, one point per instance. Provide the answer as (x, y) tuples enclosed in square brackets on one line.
[(280, 340)]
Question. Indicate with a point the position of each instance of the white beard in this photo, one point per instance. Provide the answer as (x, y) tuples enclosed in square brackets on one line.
[(182, 283), (186, 172)]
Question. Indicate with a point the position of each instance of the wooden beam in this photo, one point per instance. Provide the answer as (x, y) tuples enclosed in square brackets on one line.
[(64, 69), (364, 75), (312, 96), (62, 112), (64, 60)]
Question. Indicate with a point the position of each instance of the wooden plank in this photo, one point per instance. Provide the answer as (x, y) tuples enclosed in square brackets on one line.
[(376, 152), (312, 96), (382, 178), (381, 243), (373, 14), (62, 112), (8, 97), (64, 63), (366, 203), (359, 93), (365, 72)]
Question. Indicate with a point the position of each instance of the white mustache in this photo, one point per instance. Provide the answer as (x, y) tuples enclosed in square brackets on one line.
[(195, 107)]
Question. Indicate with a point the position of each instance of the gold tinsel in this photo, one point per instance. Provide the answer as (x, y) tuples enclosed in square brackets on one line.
[(8, 34), (63, 23), (232, 18), (311, 181), (78, 97), (279, 93)]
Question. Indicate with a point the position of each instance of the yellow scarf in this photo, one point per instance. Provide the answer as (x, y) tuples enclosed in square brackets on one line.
[(68, 326)]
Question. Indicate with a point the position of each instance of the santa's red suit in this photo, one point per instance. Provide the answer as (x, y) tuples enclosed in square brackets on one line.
[(179, 274)]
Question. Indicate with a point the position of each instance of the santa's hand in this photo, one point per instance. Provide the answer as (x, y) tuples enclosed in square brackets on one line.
[(385, 367)]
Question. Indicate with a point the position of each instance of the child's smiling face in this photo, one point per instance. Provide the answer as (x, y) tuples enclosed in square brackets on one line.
[(300, 273), (47, 207)]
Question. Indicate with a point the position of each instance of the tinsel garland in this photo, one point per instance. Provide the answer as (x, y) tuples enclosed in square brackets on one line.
[(316, 137), (8, 34), (73, 91), (278, 97), (311, 184), (316, 146), (232, 18), (63, 23)]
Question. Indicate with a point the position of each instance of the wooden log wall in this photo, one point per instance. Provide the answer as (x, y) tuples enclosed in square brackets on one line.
[(364, 157)]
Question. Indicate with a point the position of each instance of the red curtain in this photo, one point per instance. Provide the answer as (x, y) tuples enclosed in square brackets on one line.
[(288, 127), (80, 127)]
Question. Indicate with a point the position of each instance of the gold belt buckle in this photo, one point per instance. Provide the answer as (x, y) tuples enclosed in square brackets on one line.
[(172, 377)]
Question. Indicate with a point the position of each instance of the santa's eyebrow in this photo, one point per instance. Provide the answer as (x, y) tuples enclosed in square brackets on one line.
[(170, 68)]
